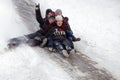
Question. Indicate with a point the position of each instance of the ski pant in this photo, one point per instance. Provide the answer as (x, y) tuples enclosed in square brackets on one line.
[(32, 39), (60, 45), (23, 40), (35, 38), (50, 43), (71, 43), (17, 41)]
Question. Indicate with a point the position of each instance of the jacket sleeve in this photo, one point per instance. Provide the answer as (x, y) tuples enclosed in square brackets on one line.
[(39, 16), (66, 22), (69, 28)]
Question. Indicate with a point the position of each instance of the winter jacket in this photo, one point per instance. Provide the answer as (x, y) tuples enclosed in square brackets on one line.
[(69, 31), (42, 21), (39, 17), (57, 33), (47, 27), (65, 20)]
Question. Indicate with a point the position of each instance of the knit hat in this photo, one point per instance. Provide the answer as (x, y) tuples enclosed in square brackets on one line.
[(59, 18), (48, 10), (58, 11)]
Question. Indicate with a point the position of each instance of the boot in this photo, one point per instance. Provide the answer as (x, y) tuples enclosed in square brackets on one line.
[(65, 53), (43, 42), (72, 51)]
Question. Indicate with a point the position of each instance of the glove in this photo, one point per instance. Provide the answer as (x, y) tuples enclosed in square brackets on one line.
[(37, 6), (75, 39), (78, 39)]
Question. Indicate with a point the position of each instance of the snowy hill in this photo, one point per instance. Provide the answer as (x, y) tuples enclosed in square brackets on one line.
[(96, 22)]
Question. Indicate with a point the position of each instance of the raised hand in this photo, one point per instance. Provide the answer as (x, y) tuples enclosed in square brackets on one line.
[(37, 6)]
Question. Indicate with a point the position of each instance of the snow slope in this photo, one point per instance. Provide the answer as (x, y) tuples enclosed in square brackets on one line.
[(23, 63), (11, 24), (96, 22)]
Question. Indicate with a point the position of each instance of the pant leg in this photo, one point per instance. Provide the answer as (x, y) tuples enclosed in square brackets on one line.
[(33, 42), (50, 42), (37, 33), (31, 36), (58, 46), (71, 43), (67, 44), (17, 41)]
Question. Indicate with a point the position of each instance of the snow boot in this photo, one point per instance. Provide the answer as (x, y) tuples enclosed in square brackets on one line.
[(72, 51), (43, 42), (65, 53), (50, 49)]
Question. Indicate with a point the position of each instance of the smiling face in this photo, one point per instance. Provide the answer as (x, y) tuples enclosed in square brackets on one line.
[(49, 14), (59, 20), (59, 23)]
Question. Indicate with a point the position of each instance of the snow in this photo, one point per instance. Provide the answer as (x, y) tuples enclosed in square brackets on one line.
[(23, 63), (96, 22), (11, 24)]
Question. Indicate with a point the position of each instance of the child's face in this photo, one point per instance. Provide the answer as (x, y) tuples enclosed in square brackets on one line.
[(51, 20), (49, 14), (59, 23)]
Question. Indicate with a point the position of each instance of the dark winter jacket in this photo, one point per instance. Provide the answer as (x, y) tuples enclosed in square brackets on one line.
[(47, 27), (42, 21), (65, 20), (44, 24), (69, 31), (39, 18), (57, 33)]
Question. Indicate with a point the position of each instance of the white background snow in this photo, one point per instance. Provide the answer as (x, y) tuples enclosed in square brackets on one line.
[(97, 22)]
